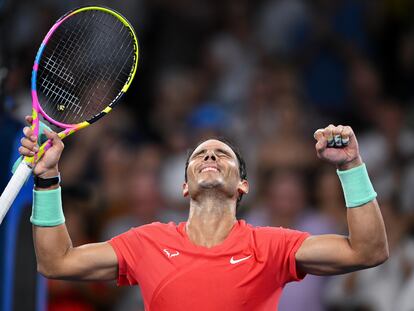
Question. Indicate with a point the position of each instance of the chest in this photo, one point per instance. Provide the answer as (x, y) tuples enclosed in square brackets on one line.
[(229, 276)]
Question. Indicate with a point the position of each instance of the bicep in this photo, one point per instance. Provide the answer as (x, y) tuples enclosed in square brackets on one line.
[(95, 261), (327, 254)]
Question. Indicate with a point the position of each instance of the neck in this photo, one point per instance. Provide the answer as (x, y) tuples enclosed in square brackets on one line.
[(211, 220)]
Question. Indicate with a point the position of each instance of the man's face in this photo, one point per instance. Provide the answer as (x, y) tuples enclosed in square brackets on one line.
[(213, 164)]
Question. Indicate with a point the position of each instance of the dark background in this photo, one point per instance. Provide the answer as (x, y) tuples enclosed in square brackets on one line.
[(265, 74)]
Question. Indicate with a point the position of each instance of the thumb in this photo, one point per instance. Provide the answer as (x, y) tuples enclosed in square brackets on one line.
[(42, 137), (321, 141), (50, 135), (54, 139)]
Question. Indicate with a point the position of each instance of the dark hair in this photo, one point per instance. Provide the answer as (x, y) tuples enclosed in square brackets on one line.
[(240, 160)]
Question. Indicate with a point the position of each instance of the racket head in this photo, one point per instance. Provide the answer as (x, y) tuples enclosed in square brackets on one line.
[(84, 65)]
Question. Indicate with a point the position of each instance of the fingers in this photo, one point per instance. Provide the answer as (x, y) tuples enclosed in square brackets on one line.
[(337, 136), (321, 140), (26, 152), (347, 134), (333, 136), (28, 133), (29, 120), (28, 143), (29, 146)]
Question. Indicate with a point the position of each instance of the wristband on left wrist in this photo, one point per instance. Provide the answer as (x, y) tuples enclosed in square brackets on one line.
[(356, 185)]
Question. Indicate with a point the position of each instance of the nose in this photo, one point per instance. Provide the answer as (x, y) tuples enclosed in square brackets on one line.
[(210, 155)]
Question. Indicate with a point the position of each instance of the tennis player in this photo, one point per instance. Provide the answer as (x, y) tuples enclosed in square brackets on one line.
[(213, 261)]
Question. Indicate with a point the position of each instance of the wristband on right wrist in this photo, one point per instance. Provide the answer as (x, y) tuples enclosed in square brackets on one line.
[(47, 208), (44, 183), (357, 187)]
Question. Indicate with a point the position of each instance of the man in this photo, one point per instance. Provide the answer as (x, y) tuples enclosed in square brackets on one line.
[(213, 261)]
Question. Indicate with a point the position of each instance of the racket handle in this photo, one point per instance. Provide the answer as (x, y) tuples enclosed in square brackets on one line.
[(9, 194), (47, 145)]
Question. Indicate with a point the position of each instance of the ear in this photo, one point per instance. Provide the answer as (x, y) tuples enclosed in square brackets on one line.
[(243, 186), (185, 189)]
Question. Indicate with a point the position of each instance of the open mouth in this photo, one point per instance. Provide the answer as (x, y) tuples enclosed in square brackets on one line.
[(209, 169)]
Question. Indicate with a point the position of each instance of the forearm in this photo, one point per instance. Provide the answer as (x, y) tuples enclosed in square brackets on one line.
[(58, 259), (50, 236), (51, 244), (367, 234), (366, 244)]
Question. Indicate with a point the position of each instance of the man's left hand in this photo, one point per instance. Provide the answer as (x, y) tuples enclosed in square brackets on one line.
[(338, 145)]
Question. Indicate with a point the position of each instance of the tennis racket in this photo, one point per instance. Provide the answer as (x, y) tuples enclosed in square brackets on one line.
[(84, 65)]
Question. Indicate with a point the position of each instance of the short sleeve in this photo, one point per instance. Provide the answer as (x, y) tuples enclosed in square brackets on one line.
[(127, 248), (292, 241), (280, 246)]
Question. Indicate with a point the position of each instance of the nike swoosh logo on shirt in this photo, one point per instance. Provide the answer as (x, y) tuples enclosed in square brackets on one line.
[(234, 261)]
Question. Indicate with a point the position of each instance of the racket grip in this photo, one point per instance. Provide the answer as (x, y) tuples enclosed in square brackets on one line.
[(9, 194), (43, 148)]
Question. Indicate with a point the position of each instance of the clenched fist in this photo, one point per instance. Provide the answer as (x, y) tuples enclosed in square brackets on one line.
[(338, 145)]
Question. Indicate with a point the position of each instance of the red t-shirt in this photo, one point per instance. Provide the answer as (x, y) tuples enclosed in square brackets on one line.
[(247, 271)]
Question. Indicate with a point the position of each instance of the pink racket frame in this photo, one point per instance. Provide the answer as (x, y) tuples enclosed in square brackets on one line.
[(68, 128), (24, 170)]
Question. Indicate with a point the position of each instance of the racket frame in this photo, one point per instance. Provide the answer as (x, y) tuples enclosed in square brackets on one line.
[(69, 129), (25, 168)]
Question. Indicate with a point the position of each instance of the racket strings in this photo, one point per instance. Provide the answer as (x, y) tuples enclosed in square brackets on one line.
[(87, 69), (62, 47), (56, 68), (85, 65), (112, 76), (115, 82)]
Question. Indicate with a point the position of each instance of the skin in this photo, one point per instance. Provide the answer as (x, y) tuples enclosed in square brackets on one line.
[(213, 187), (213, 193), (366, 245)]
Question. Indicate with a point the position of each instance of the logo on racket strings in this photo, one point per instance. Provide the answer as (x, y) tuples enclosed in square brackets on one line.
[(60, 107)]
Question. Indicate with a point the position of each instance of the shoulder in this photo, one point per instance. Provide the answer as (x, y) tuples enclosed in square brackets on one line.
[(156, 228), (276, 236), (266, 231), (150, 233), (152, 229)]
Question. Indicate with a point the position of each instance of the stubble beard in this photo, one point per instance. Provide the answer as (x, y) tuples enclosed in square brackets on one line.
[(211, 184), (213, 189)]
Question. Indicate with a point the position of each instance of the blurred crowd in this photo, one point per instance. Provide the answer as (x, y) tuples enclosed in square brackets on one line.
[(265, 74)]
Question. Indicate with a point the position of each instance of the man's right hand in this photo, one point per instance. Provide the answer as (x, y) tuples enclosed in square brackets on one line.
[(48, 164)]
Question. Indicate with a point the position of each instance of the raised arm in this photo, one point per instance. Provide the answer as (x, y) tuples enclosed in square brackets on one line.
[(366, 245), (55, 254)]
